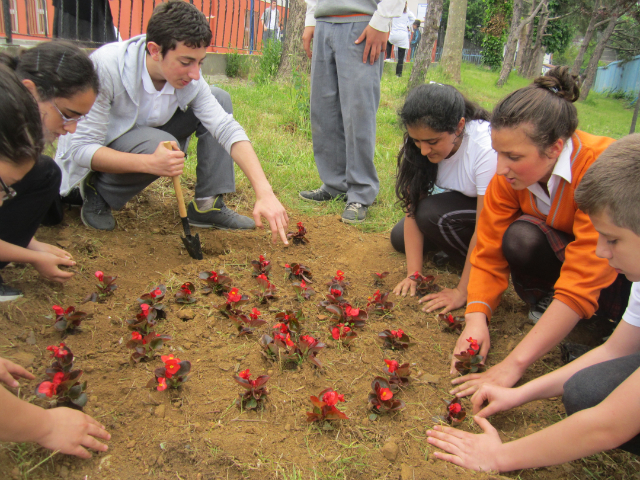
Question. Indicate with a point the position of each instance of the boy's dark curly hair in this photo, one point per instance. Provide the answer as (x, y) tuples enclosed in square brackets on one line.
[(178, 21)]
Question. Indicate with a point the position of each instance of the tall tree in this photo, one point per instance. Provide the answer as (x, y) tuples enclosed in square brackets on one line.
[(451, 59), (293, 53), (517, 25), (429, 36)]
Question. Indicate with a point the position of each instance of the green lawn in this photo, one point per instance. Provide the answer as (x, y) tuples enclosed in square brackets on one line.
[(269, 115)]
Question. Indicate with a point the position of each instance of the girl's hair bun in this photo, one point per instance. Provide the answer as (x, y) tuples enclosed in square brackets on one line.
[(560, 82)]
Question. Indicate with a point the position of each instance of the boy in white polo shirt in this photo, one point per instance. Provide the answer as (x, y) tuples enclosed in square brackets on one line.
[(151, 91)]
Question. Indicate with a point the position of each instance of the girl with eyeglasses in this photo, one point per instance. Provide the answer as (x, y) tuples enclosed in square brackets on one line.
[(64, 84)]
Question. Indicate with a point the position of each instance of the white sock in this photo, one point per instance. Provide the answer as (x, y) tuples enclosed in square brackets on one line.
[(205, 203)]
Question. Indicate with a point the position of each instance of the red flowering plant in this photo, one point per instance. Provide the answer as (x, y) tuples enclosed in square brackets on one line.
[(378, 277), (345, 313), (303, 291), (174, 373), (454, 413), (395, 339), (261, 266), (185, 294), (451, 323), (343, 333), (216, 282), (291, 319), (468, 360), (105, 286), (338, 280), (63, 381), (267, 289), (154, 299), (334, 297), (298, 238), (306, 348), (324, 406), (381, 397), (145, 346), (425, 284), (398, 374), (269, 347), (246, 323), (145, 321), (378, 303), (233, 303), (297, 271), (255, 394), (69, 320)]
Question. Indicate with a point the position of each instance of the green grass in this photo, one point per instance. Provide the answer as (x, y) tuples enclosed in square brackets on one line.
[(268, 115)]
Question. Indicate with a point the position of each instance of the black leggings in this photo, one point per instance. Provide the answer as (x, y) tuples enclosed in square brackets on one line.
[(590, 386), (447, 221), (401, 54), (20, 217)]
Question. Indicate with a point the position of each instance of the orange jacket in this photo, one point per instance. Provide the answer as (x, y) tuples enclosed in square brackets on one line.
[(583, 274)]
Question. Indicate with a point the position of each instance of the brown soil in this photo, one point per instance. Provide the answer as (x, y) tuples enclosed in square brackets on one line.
[(203, 434)]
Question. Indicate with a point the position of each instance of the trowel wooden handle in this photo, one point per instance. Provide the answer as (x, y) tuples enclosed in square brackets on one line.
[(177, 187)]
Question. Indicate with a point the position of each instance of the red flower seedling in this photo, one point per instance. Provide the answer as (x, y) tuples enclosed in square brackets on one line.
[(395, 339), (69, 320), (234, 300), (451, 323), (309, 348), (185, 294), (324, 407), (454, 413), (261, 266), (154, 299), (216, 282), (269, 348), (425, 284), (267, 289), (145, 346), (255, 394), (378, 277), (246, 323), (291, 319), (63, 381), (303, 291), (145, 321), (343, 333), (105, 286), (298, 238), (381, 398), (297, 271), (398, 374), (345, 313), (469, 361), (338, 280), (378, 303), (173, 374)]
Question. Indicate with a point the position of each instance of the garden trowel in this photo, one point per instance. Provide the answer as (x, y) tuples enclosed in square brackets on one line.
[(191, 242)]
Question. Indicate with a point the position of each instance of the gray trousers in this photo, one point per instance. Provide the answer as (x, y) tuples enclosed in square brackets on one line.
[(345, 95), (214, 170), (590, 386)]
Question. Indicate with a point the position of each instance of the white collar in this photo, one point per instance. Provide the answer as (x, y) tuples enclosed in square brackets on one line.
[(148, 85)]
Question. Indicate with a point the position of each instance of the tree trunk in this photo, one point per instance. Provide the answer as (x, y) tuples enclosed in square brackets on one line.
[(293, 54), (532, 67), (588, 35), (634, 119), (527, 50), (429, 37), (512, 41), (522, 41), (592, 68), (451, 59)]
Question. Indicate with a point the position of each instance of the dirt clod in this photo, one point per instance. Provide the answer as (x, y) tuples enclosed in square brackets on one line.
[(390, 451), (160, 411)]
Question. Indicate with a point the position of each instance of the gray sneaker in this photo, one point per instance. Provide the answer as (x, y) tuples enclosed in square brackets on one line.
[(320, 195), (219, 216), (95, 213), (537, 310), (355, 213)]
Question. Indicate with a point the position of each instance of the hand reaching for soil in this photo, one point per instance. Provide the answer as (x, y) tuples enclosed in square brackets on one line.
[(10, 372)]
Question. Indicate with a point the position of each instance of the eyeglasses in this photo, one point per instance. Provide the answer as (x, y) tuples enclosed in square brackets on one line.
[(67, 120), (8, 192)]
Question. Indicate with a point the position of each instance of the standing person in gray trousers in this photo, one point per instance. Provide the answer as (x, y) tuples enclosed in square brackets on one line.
[(346, 68), (151, 91)]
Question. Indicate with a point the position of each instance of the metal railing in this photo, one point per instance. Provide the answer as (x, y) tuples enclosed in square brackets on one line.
[(235, 24)]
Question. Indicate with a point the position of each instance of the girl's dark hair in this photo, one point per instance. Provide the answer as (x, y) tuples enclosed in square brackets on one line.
[(21, 138), (58, 69), (178, 21), (546, 104), (440, 108)]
